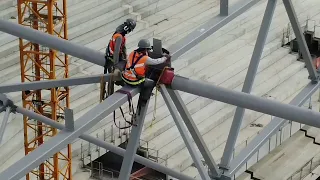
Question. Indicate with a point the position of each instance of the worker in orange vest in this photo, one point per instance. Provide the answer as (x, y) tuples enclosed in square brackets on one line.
[(116, 51), (134, 73)]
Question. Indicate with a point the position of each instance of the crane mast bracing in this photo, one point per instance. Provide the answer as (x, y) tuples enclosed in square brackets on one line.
[(38, 63)]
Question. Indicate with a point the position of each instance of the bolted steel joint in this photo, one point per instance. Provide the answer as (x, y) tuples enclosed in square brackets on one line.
[(6, 102)]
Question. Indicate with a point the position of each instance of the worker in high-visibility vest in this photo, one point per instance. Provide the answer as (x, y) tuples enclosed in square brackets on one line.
[(134, 73), (116, 52)]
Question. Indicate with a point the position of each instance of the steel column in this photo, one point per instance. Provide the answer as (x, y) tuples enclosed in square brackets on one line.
[(184, 134), (248, 82), (133, 144), (259, 104), (62, 45), (196, 135), (4, 122), (209, 28), (105, 145), (301, 40), (224, 7), (47, 84), (269, 131)]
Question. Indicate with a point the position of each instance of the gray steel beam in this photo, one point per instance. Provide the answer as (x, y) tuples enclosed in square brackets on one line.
[(196, 135), (56, 43), (103, 144), (247, 101), (4, 122), (224, 7), (184, 134), (248, 82), (269, 131), (47, 84), (301, 40), (66, 137), (133, 144), (209, 28)]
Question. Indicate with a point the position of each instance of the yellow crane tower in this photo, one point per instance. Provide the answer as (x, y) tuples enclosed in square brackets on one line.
[(41, 63)]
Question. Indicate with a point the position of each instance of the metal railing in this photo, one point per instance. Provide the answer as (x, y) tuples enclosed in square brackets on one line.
[(306, 169)]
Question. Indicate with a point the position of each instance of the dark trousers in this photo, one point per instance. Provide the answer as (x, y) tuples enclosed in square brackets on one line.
[(146, 89)]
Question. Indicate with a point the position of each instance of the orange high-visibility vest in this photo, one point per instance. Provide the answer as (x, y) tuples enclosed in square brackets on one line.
[(112, 43), (135, 69)]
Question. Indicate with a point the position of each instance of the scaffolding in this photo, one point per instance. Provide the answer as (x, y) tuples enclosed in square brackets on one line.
[(40, 63), (228, 166)]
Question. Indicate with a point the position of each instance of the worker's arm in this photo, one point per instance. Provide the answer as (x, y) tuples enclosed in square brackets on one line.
[(117, 49), (151, 61), (124, 52)]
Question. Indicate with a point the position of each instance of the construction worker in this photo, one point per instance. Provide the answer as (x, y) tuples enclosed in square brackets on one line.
[(135, 70), (116, 55), (116, 51)]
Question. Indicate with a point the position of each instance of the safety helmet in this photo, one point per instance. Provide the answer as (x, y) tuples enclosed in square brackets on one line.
[(130, 24), (144, 44)]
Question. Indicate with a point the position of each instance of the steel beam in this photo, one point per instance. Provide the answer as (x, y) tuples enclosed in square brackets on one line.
[(56, 43), (65, 137), (276, 123), (103, 144), (248, 82), (224, 7), (247, 101), (209, 28), (301, 40), (4, 122), (47, 84), (196, 135), (184, 134), (133, 144)]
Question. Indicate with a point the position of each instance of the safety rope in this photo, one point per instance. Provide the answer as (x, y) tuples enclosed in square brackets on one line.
[(156, 95), (105, 94)]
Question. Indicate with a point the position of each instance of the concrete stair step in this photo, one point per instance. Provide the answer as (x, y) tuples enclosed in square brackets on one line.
[(304, 149), (84, 6), (4, 4), (100, 9), (139, 4), (182, 7), (11, 60), (8, 13), (9, 48), (99, 21), (85, 101), (156, 7)]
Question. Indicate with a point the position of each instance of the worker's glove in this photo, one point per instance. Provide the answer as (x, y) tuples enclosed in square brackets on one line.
[(168, 58)]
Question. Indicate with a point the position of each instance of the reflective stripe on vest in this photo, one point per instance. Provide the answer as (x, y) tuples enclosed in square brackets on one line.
[(112, 43), (134, 72)]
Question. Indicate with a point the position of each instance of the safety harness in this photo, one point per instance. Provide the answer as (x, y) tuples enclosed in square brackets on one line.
[(105, 94), (132, 67)]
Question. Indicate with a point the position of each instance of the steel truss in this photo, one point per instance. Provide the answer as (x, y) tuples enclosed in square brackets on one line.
[(76, 129)]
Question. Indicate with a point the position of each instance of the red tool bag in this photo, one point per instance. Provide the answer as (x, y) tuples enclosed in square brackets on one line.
[(167, 76)]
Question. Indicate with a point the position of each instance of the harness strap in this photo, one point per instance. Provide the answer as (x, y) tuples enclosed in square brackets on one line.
[(131, 108)]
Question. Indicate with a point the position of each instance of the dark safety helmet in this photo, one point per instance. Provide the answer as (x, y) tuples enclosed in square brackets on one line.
[(144, 44), (130, 24)]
